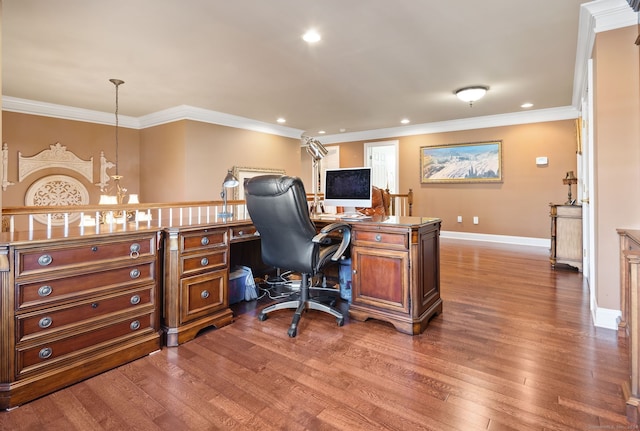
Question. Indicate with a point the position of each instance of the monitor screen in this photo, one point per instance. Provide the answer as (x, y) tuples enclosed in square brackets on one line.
[(348, 187)]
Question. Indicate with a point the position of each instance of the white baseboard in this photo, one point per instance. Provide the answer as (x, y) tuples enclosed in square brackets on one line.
[(504, 239), (604, 317)]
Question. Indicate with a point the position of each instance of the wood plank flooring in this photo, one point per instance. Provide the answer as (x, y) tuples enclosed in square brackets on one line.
[(514, 349)]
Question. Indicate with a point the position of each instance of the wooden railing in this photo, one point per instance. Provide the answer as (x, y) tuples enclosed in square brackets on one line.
[(401, 204), (29, 218)]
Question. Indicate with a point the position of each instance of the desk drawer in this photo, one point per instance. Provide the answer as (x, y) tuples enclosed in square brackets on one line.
[(58, 318), (30, 261), (240, 233), (203, 239), (203, 294), (205, 261), (397, 240), (48, 353), (48, 291)]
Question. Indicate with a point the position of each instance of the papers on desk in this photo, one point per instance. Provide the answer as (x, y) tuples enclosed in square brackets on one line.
[(343, 216)]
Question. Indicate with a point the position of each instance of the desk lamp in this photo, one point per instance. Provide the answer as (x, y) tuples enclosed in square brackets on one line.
[(229, 181)]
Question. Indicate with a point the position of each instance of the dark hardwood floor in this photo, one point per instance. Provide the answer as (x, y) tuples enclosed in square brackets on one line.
[(514, 349)]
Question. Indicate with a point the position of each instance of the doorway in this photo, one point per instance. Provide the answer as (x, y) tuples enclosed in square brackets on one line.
[(382, 157)]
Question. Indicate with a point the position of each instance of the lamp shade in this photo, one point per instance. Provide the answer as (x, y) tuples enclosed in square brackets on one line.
[(230, 180), (471, 94)]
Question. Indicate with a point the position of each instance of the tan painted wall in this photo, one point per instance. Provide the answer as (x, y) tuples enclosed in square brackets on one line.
[(31, 134), (617, 153), (519, 206), (187, 160)]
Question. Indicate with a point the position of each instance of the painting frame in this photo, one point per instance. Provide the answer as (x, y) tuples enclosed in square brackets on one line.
[(460, 163), (243, 172)]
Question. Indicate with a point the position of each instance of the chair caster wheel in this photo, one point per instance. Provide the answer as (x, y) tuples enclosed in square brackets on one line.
[(340, 321), (292, 332), (262, 317)]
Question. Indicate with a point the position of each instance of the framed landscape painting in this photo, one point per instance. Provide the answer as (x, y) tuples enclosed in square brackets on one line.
[(462, 163)]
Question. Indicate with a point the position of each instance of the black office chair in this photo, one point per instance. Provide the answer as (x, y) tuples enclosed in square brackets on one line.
[(278, 208)]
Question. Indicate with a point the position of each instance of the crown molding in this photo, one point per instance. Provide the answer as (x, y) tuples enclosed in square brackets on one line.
[(183, 112), (33, 107), (525, 117), (186, 112), (595, 17)]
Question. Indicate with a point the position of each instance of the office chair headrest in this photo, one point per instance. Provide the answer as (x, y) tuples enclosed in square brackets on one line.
[(269, 185)]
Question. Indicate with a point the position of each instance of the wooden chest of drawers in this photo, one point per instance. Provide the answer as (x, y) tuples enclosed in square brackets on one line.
[(195, 284), (72, 308)]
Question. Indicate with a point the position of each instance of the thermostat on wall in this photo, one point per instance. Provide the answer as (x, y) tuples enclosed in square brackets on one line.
[(542, 161)]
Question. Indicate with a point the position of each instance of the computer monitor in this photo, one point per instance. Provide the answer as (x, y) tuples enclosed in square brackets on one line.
[(348, 187)]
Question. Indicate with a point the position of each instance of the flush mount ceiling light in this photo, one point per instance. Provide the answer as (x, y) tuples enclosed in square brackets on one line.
[(311, 36), (471, 94)]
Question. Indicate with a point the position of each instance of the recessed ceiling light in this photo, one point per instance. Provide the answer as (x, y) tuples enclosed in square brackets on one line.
[(405, 121), (526, 105), (281, 120), (321, 132), (311, 36)]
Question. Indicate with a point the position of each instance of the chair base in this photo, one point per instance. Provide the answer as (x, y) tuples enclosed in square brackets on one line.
[(302, 303)]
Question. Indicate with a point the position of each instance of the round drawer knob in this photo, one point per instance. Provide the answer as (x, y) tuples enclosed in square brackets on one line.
[(204, 240), (134, 250), (45, 322), (204, 261), (45, 353), (134, 325), (45, 260), (134, 273), (135, 299), (94, 305), (45, 291), (378, 237), (94, 248), (204, 294)]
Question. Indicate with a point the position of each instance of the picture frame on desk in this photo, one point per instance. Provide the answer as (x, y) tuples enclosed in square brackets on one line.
[(242, 173), (475, 162)]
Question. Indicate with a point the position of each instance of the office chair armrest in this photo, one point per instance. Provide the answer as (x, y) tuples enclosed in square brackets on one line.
[(345, 229)]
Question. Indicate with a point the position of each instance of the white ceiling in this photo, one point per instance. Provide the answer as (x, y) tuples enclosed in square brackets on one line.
[(379, 60)]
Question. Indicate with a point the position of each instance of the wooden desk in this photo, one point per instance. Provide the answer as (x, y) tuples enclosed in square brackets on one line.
[(396, 271), (75, 302)]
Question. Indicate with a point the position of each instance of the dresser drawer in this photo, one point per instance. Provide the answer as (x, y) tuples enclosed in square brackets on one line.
[(48, 353), (30, 261), (203, 239), (202, 294), (49, 290), (205, 261), (59, 318), (397, 240)]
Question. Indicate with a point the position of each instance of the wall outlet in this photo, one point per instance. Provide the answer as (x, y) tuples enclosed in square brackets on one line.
[(459, 219), (475, 219)]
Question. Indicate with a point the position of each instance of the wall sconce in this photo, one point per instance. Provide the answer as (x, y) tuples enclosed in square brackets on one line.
[(229, 181), (568, 180), (471, 94)]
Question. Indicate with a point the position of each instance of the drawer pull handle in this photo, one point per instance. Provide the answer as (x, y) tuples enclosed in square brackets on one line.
[(45, 353), (204, 240), (134, 325), (45, 260), (135, 300), (94, 305), (45, 291), (204, 261), (134, 250), (45, 322), (378, 237), (204, 294), (134, 273), (94, 248)]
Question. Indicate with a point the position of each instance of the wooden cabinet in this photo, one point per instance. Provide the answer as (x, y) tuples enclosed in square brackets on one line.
[(566, 235), (629, 321), (396, 273), (72, 308), (195, 284)]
